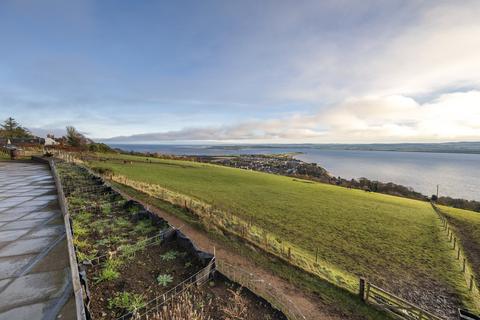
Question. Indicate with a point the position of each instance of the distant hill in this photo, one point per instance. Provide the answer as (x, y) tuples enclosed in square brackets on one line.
[(446, 147)]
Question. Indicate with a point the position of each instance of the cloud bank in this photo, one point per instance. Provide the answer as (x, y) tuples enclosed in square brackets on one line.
[(389, 118)]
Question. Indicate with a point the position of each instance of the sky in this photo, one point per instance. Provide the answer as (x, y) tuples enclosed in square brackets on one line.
[(145, 71)]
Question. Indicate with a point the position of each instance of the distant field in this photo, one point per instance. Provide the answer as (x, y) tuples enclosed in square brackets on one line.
[(467, 224), (394, 242)]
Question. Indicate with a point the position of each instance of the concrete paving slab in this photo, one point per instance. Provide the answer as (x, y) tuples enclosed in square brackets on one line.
[(10, 265), (32, 288), (19, 210), (34, 267), (40, 215), (11, 235), (11, 216), (47, 231), (3, 283), (27, 312), (21, 247), (22, 224)]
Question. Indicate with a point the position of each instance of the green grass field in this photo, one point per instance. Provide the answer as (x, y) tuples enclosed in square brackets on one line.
[(394, 242), (467, 224)]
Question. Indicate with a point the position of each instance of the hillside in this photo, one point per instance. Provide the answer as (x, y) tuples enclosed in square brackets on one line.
[(393, 241), (467, 224)]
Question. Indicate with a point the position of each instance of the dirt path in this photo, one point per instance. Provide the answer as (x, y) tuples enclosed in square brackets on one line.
[(310, 305)]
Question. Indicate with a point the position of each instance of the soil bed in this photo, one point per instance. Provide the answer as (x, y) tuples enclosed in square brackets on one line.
[(139, 276)]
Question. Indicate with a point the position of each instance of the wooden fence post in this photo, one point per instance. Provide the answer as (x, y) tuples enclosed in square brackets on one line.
[(454, 242), (361, 291), (471, 282), (464, 264), (458, 253), (289, 253), (316, 256)]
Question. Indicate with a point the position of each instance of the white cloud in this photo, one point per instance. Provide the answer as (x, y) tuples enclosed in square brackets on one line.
[(436, 50), (454, 116), (441, 51)]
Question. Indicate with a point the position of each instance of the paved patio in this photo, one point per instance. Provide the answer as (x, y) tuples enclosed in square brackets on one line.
[(35, 280)]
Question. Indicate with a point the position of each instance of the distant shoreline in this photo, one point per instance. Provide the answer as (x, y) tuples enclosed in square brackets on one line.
[(448, 147)]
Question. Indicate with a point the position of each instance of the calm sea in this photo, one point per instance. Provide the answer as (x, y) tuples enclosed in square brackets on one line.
[(457, 174)]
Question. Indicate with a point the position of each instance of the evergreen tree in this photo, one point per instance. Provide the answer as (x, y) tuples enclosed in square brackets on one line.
[(75, 138), (12, 129)]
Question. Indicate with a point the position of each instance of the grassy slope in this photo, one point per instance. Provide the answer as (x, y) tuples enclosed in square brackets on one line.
[(338, 301), (467, 224), (388, 239)]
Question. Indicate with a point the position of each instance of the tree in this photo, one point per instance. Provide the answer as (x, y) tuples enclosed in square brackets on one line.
[(12, 129), (75, 138)]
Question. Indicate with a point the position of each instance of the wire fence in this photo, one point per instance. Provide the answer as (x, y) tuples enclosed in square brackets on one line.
[(464, 265), (133, 248), (261, 288), (98, 206), (154, 306), (395, 305)]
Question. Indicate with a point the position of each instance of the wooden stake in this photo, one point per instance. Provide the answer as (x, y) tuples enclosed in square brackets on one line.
[(361, 291), (471, 282), (316, 256), (464, 264)]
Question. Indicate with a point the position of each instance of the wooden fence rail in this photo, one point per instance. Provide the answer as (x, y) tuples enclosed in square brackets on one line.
[(389, 302)]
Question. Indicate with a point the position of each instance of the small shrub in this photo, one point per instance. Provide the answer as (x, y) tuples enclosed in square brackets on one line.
[(133, 210), (79, 230), (109, 271), (100, 225), (80, 244), (126, 301), (76, 201), (121, 223), (164, 279), (144, 227), (82, 217), (129, 250), (106, 208), (82, 256), (169, 255)]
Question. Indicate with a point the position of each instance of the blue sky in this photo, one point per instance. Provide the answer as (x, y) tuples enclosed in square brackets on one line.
[(243, 71)]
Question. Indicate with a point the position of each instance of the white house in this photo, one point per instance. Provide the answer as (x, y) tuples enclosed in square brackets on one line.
[(50, 142)]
